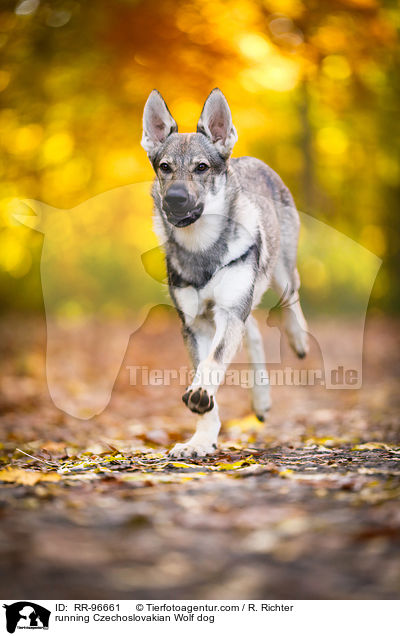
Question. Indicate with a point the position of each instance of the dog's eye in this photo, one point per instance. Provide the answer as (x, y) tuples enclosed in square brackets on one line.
[(165, 167), (202, 167)]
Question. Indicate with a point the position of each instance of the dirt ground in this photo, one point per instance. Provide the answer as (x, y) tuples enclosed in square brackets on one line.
[(304, 506)]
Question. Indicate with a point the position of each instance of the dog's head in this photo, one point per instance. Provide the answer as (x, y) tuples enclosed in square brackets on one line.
[(187, 165)]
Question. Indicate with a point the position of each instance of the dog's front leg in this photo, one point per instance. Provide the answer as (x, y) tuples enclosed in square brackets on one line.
[(215, 355), (210, 372), (204, 440)]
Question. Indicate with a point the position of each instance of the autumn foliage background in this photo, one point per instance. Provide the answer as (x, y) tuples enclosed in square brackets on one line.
[(304, 505), (313, 90)]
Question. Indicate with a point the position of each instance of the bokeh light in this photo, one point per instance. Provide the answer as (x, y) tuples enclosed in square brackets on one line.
[(313, 91)]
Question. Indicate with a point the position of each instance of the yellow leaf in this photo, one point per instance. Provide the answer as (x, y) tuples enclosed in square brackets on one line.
[(246, 424), (372, 446), (180, 465), (235, 465), (286, 473), (155, 456), (26, 477)]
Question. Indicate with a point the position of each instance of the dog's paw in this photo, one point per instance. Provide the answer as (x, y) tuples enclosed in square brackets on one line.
[(261, 402), (198, 400), (261, 415), (193, 449), (300, 344)]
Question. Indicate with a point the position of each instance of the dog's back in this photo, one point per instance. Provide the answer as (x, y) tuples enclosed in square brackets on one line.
[(266, 190), (259, 180)]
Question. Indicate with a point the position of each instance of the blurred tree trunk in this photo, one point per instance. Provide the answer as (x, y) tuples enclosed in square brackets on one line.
[(307, 150)]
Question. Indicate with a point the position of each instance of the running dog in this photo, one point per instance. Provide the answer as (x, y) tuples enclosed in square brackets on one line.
[(229, 228)]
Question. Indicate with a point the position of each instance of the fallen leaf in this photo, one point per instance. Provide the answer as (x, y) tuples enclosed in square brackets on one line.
[(26, 477)]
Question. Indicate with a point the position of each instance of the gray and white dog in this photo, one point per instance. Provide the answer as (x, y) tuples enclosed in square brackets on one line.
[(229, 228)]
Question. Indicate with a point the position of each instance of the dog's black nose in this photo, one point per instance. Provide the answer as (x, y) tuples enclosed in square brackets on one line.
[(177, 199)]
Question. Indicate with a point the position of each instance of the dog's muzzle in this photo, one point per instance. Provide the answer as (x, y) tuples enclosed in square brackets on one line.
[(180, 208)]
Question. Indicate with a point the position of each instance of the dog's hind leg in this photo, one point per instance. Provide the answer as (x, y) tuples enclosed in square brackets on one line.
[(261, 392), (287, 284)]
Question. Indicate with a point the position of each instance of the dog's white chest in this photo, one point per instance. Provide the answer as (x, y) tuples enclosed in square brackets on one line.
[(226, 289)]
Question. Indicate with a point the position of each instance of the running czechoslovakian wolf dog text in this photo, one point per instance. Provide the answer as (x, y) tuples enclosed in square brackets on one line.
[(229, 228)]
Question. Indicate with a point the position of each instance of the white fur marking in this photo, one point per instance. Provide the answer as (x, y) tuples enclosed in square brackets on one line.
[(187, 300), (205, 231), (204, 441)]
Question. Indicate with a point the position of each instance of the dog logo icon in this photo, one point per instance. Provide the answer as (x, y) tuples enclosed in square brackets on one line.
[(26, 615)]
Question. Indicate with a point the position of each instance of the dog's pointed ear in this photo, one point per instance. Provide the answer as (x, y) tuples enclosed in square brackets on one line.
[(216, 123), (158, 123)]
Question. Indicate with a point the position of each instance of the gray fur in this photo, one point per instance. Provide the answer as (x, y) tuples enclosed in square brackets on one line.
[(229, 229)]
